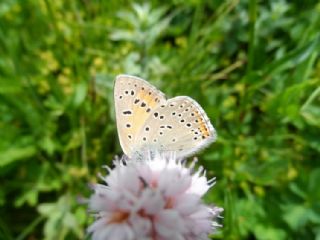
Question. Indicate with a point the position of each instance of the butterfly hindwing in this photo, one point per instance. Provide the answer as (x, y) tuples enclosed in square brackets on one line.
[(180, 125)]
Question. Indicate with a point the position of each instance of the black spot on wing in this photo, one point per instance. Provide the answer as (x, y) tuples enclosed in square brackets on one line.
[(127, 112)]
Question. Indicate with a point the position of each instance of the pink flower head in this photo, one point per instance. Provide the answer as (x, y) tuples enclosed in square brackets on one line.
[(157, 198)]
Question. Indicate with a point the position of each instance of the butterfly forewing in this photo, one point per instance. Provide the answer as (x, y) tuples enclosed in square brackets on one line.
[(135, 100)]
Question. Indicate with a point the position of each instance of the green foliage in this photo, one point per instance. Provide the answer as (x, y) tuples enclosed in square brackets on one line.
[(253, 66)]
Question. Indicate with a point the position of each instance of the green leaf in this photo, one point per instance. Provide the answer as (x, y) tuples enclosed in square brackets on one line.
[(9, 86), (46, 209), (14, 154), (263, 232), (313, 185), (293, 58), (296, 216), (268, 173), (80, 94), (311, 110)]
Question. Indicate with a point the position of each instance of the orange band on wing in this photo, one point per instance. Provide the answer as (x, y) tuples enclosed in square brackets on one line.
[(203, 127)]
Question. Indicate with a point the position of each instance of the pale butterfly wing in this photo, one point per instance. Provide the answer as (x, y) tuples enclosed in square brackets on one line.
[(135, 99), (145, 119), (180, 125)]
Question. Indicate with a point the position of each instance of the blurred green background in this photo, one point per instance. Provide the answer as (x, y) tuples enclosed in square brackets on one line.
[(253, 65)]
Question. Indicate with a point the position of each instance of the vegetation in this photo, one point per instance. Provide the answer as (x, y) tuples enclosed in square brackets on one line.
[(253, 65)]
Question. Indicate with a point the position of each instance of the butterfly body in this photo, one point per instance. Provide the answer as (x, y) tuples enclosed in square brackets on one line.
[(146, 119)]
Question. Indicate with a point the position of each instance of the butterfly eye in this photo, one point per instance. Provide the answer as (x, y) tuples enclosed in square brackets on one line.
[(132, 92), (188, 125), (128, 125), (136, 101), (143, 104)]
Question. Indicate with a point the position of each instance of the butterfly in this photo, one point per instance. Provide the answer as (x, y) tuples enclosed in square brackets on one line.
[(146, 119)]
